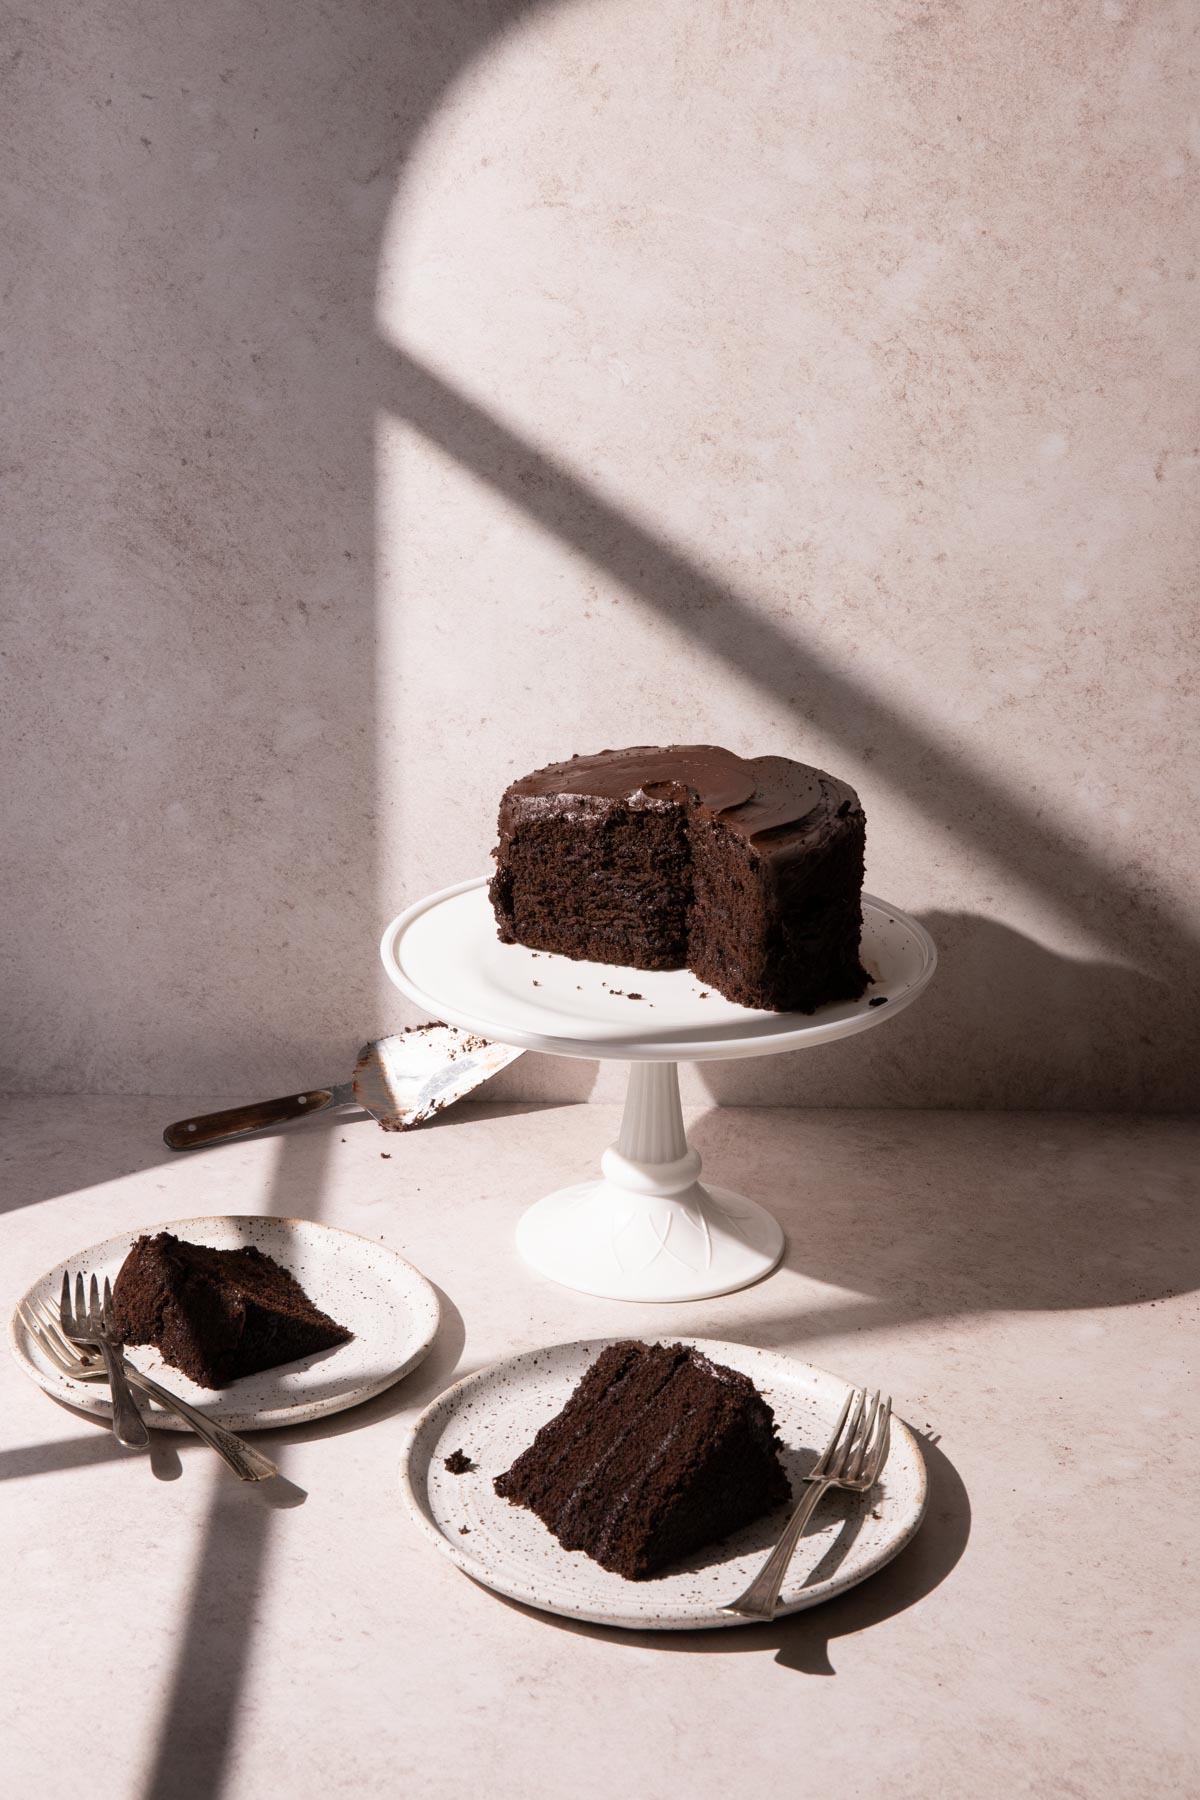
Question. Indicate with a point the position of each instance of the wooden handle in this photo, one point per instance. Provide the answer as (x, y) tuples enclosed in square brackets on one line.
[(190, 1134)]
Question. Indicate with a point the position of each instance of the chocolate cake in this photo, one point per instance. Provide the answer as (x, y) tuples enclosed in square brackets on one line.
[(747, 872), (217, 1314), (657, 1452)]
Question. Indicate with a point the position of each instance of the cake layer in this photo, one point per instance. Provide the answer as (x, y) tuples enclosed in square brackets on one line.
[(657, 1452), (614, 886), (747, 871), (217, 1314)]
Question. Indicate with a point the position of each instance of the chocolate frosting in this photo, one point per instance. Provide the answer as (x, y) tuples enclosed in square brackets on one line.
[(768, 799)]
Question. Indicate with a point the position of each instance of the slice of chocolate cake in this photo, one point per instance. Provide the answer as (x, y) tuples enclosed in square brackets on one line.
[(217, 1314), (657, 1452), (747, 872)]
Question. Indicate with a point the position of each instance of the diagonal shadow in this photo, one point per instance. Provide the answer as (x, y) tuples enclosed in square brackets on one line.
[(200, 1717), (1087, 886), (1063, 1033), (965, 1216), (62, 1453)]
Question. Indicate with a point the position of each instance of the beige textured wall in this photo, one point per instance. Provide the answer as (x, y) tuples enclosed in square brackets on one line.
[(407, 395)]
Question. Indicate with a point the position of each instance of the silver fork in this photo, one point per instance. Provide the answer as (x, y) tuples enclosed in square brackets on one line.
[(852, 1459), (85, 1325), (83, 1363)]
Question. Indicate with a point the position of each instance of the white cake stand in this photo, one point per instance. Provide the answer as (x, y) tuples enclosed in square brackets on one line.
[(647, 1228)]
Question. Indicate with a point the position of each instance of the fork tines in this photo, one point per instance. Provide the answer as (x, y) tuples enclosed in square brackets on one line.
[(859, 1448), (89, 1315)]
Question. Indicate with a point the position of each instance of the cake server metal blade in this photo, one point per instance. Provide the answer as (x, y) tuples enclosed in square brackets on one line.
[(401, 1081)]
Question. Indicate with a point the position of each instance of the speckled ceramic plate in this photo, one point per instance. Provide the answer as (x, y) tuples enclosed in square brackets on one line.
[(491, 1416), (390, 1308)]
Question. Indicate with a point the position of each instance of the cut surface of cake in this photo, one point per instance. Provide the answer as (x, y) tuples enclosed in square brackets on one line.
[(748, 872), (217, 1314), (657, 1452)]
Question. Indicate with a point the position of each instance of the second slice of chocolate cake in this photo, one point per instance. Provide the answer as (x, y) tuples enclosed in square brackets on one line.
[(217, 1314), (657, 1452)]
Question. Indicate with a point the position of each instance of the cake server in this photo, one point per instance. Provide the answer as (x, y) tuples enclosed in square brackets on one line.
[(400, 1080)]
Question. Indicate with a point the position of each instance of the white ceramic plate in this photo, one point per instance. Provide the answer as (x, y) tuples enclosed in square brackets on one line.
[(493, 1415), (444, 954), (390, 1308)]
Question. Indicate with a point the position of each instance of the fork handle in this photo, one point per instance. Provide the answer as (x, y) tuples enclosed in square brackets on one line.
[(128, 1425), (762, 1596), (247, 1463)]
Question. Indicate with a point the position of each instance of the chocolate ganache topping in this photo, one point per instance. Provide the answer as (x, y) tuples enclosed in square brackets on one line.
[(767, 799)]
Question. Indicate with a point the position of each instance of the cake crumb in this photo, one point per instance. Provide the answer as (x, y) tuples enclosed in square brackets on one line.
[(386, 1155), (879, 1000), (458, 1462), (464, 1531), (537, 984), (633, 996), (704, 996)]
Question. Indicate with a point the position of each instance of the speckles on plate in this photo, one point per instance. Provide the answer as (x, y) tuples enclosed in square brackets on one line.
[(391, 1309), (499, 1410)]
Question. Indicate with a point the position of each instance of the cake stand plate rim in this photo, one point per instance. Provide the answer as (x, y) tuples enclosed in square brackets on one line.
[(770, 1038)]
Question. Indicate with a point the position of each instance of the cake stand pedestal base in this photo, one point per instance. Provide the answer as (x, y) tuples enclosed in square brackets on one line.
[(648, 1228)]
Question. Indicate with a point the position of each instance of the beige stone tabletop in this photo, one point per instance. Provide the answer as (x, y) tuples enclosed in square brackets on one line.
[(1024, 1284)]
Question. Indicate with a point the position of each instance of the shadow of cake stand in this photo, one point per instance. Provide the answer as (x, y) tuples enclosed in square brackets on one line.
[(647, 1228)]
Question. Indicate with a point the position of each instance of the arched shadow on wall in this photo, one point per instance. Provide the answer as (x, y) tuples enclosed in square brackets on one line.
[(303, 244), (1074, 874)]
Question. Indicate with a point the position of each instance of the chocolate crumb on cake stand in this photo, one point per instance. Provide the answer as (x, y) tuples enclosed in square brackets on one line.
[(647, 1228)]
